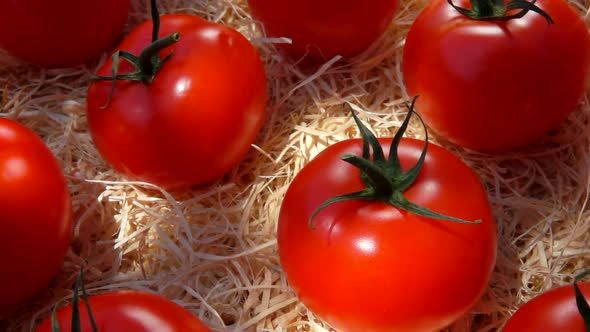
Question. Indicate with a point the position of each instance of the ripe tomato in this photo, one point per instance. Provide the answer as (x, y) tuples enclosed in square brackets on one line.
[(129, 311), (496, 85), (370, 266), (325, 28), (198, 117), (554, 310), (60, 33), (35, 214)]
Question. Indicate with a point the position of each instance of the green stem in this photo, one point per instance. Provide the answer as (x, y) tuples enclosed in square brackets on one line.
[(87, 304), (149, 59), (498, 10), (148, 63), (373, 172), (486, 8), (384, 179), (76, 323), (155, 20), (581, 303), (75, 309), (55, 327)]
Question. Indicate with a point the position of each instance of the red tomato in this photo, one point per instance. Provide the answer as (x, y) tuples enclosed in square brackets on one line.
[(370, 266), (496, 85), (131, 311), (325, 28), (35, 214), (60, 33), (196, 120), (554, 310)]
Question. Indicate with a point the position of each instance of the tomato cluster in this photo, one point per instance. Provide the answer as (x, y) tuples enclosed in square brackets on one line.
[(374, 234), (178, 104)]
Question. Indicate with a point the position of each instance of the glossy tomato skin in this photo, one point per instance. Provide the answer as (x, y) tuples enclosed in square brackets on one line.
[(62, 32), (325, 28), (554, 310), (492, 85), (369, 266), (199, 116), (129, 311), (35, 214)]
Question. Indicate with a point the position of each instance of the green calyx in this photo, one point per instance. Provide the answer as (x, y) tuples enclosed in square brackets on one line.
[(76, 323), (148, 63), (498, 9), (384, 179), (581, 302)]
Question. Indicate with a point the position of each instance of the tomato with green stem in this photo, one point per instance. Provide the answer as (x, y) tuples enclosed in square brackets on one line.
[(401, 239), (61, 33), (178, 110), (563, 308), (321, 30), (35, 214), (121, 310), (494, 75)]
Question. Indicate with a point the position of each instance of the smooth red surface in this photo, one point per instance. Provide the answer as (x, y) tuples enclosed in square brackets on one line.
[(554, 310), (130, 311), (325, 28), (493, 85), (196, 120), (35, 214), (369, 266), (60, 33)]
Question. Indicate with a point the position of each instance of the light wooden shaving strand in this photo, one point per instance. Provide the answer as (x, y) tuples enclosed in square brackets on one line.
[(213, 250)]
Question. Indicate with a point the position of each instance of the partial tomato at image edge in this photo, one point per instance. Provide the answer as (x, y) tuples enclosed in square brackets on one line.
[(496, 85), (321, 30), (128, 310), (35, 214), (564, 308), (61, 33)]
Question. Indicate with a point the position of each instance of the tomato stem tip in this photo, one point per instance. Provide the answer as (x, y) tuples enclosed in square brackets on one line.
[(581, 303), (76, 325)]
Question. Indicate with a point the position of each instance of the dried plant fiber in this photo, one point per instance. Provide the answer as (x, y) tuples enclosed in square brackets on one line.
[(213, 250)]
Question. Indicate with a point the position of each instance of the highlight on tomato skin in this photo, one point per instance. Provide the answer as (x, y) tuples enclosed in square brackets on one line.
[(368, 265), (323, 29), (187, 121), (35, 214), (552, 310), (128, 310), (496, 85), (61, 33)]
